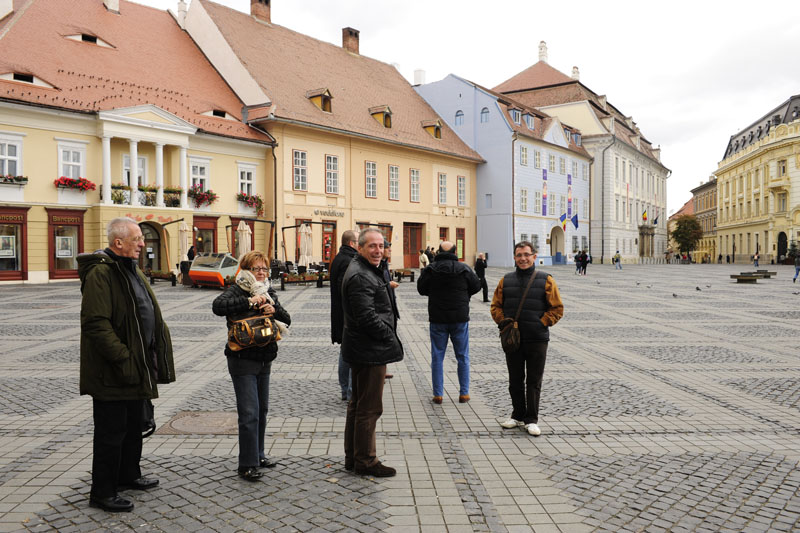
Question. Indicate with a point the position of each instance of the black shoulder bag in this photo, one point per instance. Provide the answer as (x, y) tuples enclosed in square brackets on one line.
[(509, 329)]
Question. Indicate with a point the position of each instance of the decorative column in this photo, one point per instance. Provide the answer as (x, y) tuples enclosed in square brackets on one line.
[(160, 174), (184, 177), (134, 171), (106, 200)]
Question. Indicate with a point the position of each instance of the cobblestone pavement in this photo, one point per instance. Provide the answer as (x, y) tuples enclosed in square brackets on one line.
[(665, 408)]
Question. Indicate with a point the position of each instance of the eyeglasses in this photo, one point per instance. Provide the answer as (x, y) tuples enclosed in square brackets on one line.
[(140, 238), (520, 256), (259, 269)]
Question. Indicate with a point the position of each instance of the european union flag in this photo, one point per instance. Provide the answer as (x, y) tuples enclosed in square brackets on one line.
[(575, 220)]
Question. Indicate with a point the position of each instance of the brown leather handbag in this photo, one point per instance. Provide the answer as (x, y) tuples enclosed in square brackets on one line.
[(509, 328), (251, 332)]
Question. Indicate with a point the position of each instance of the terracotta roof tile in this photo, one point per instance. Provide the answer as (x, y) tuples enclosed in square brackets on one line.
[(287, 65), (537, 75), (152, 62)]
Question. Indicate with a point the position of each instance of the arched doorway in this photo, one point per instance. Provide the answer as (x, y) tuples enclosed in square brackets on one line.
[(150, 258), (782, 246), (557, 242)]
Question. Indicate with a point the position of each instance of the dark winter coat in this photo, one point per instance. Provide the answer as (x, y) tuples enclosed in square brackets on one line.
[(117, 363), (369, 323), (337, 271), (480, 268), (448, 283), (234, 304), (542, 307)]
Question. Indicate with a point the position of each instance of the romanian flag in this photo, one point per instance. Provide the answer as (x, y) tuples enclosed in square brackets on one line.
[(644, 215), (563, 219), (575, 220)]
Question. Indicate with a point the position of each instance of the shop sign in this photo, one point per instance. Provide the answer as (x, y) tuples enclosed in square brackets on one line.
[(64, 220), (11, 218), (329, 213)]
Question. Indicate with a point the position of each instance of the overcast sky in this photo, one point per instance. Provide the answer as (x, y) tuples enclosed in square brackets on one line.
[(690, 73)]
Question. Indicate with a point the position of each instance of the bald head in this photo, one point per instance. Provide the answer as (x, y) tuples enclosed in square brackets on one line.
[(447, 247), (350, 238)]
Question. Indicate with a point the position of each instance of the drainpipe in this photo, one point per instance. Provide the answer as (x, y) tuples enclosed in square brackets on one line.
[(513, 218), (603, 203), (275, 198)]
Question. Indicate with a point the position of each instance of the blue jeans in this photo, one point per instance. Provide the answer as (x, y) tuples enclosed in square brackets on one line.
[(459, 334), (345, 382), (796, 271), (618, 265), (251, 384)]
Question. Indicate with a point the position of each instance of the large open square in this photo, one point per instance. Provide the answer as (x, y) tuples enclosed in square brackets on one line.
[(670, 403)]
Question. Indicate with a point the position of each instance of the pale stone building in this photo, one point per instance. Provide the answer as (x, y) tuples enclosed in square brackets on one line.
[(704, 198), (758, 186), (629, 182)]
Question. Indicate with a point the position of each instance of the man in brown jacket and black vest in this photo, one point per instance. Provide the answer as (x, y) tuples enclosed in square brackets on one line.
[(541, 309)]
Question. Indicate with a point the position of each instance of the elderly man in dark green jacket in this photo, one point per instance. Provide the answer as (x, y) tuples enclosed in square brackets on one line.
[(125, 350)]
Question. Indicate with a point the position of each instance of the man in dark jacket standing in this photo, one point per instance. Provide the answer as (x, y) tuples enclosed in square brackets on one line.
[(125, 350), (369, 343), (541, 308), (347, 252), (448, 284), (480, 271)]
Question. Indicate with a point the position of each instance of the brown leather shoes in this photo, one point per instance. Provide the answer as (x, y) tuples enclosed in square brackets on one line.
[(464, 398), (377, 470), (437, 399)]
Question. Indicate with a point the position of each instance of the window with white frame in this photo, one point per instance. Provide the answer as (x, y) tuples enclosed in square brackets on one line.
[(537, 202), (442, 189), (574, 243), (574, 170), (562, 201), (523, 200), (331, 174), (585, 208), (199, 172), (141, 171), (72, 159), (459, 117), (551, 200), (394, 182), (523, 237), (523, 155), (484, 115), (562, 165), (584, 242), (371, 179), (414, 184), (462, 190), (10, 155), (247, 175), (585, 172), (529, 121), (616, 171), (537, 159), (300, 170), (551, 164), (515, 115), (535, 243)]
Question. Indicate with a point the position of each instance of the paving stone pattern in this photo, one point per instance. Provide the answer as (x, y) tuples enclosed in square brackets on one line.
[(658, 413)]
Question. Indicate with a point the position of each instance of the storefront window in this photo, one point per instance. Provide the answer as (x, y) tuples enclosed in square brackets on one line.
[(10, 247), (150, 258), (66, 247)]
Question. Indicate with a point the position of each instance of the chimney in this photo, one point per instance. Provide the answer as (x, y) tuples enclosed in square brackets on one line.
[(260, 10), (112, 5), (182, 14), (543, 51), (6, 7), (419, 77), (350, 40), (576, 75)]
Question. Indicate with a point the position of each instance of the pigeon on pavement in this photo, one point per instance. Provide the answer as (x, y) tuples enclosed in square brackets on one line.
[(674, 295), (698, 289)]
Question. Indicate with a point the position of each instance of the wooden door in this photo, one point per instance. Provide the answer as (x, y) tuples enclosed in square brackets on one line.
[(412, 243)]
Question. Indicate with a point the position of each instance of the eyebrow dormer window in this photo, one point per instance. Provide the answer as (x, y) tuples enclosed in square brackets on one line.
[(219, 113), (434, 127), (382, 114), (321, 98), (515, 115), (25, 77), (89, 38)]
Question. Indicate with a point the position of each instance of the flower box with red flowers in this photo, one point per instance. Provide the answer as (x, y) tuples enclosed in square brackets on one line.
[(81, 184), (253, 201), (200, 196)]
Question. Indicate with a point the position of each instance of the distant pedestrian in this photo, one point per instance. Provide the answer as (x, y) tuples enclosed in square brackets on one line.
[(584, 262), (423, 261), (480, 271), (617, 261), (190, 253), (429, 253), (347, 252), (796, 266), (541, 308), (126, 349), (755, 260), (448, 284), (728, 259), (719, 259)]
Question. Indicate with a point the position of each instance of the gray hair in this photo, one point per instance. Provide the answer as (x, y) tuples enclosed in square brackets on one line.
[(349, 237), (119, 228), (362, 237)]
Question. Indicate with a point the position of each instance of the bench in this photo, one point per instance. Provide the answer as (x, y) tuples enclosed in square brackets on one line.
[(744, 278), (768, 273), (318, 279), (401, 273), (762, 275)]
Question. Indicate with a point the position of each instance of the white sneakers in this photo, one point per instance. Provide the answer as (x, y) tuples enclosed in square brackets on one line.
[(532, 429), (511, 423)]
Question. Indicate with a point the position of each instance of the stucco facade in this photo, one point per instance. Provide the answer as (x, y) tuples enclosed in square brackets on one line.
[(704, 198)]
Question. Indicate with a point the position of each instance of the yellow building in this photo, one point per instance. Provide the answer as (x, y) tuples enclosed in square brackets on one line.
[(356, 145), (93, 93), (758, 187), (704, 198)]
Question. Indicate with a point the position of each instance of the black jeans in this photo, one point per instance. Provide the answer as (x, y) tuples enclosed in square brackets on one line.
[(117, 446), (484, 288), (525, 372)]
